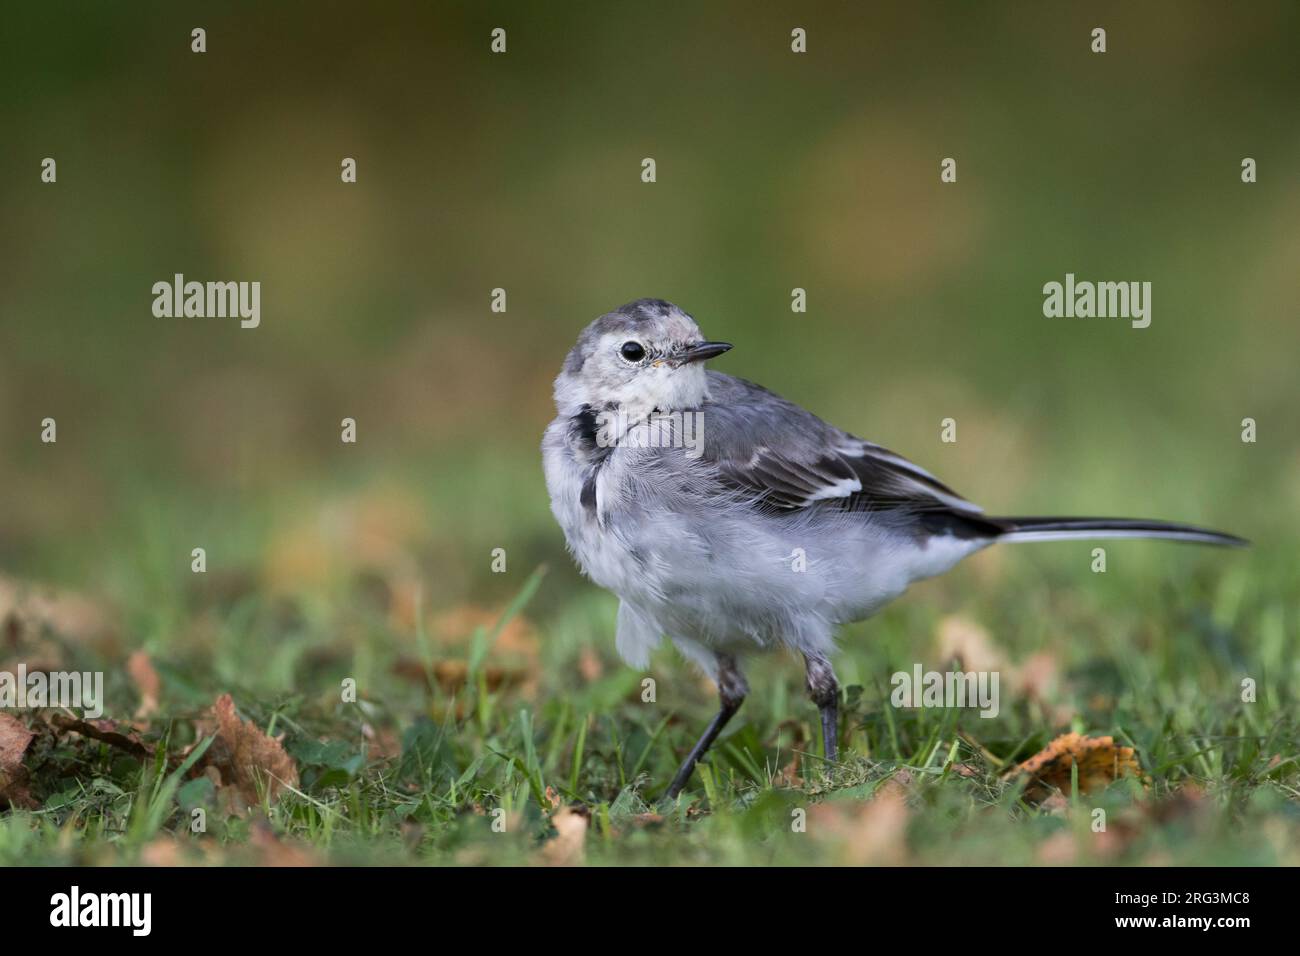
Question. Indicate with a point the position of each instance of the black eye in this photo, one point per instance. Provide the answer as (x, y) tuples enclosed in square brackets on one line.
[(632, 351)]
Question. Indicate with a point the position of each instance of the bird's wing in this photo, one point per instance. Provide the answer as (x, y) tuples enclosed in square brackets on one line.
[(790, 459)]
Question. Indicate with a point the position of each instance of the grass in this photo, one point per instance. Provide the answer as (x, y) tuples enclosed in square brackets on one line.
[(466, 740)]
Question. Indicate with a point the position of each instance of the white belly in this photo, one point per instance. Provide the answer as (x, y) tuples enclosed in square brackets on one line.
[(734, 579)]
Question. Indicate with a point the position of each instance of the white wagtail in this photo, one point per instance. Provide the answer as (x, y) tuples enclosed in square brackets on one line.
[(769, 533)]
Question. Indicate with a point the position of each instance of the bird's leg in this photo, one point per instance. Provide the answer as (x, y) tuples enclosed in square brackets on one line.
[(732, 690), (824, 690)]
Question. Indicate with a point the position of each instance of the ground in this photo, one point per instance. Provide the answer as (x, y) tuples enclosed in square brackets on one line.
[(508, 731)]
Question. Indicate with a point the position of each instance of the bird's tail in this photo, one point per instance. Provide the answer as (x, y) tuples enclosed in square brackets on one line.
[(1062, 529)]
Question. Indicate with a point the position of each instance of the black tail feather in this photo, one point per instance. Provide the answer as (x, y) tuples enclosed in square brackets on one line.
[(1056, 529)]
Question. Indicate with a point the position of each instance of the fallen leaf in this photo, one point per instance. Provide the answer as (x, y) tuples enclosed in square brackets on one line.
[(14, 740), (452, 675), (788, 777), (1055, 804), (568, 848), (1038, 677), (121, 736), (23, 645), (412, 834), (870, 833), (899, 783), (146, 680), (272, 851), (457, 625), (246, 756), (968, 643), (162, 851), (1059, 849), (589, 665), (63, 612), (376, 529), (1100, 761), (382, 743)]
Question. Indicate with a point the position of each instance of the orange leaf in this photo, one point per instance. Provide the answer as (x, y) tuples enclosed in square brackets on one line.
[(1099, 759)]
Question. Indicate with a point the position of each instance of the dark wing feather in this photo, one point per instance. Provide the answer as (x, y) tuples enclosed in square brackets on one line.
[(790, 459)]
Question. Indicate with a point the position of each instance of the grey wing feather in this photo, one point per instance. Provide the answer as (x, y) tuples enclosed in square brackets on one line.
[(790, 459)]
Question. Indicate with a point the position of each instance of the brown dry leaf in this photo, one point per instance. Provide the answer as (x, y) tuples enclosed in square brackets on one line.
[(14, 740), (230, 802), (1059, 849), (589, 665), (969, 643), (171, 851), (1055, 804), (162, 851), (272, 851), (146, 680), (246, 757), (1100, 761), (871, 833), (569, 846), (115, 734), (1083, 845), (456, 627), (1187, 806), (374, 530), (19, 647), (1038, 677), (517, 644), (899, 783), (382, 743), (65, 613), (22, 643), (788, 776), (452, 675)]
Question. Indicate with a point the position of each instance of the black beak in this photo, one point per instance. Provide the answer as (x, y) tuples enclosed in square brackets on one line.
[(701, 351)]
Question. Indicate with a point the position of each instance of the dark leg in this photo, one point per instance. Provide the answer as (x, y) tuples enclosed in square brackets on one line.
[(824, 690), (732, 690)]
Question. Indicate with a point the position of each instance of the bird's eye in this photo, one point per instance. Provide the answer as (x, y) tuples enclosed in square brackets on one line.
[(632, 351)]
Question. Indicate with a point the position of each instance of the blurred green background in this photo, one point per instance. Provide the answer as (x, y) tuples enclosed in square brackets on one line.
[(775, 171)]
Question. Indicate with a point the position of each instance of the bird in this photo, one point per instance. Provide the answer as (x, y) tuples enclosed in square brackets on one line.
[(733, 522)]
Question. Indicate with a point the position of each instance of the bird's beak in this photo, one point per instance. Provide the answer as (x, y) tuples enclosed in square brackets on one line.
[(701, 351)]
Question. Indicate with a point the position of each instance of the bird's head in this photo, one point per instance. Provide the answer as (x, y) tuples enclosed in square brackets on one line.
[(647, 356)]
